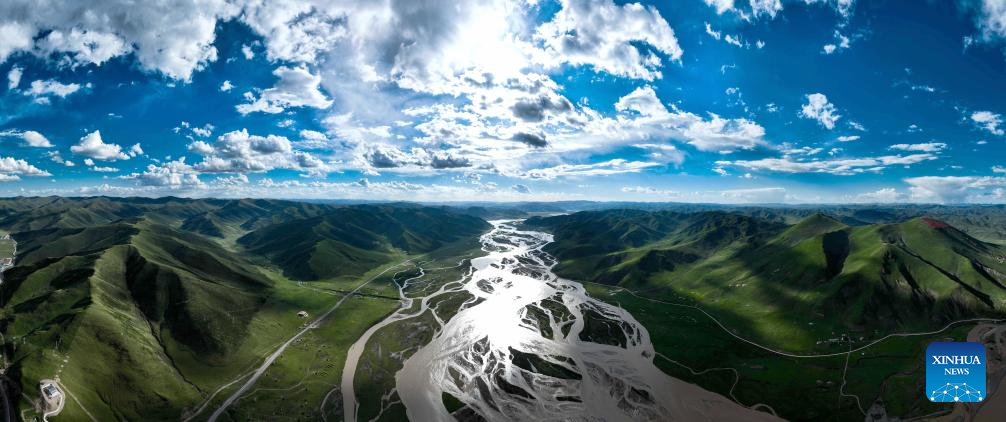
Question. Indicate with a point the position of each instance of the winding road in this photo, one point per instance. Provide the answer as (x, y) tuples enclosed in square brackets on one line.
[(257, 373)]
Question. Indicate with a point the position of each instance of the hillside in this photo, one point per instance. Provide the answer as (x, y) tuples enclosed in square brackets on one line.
[(745, 300), (143, 307), (349, 240), (918, 273)]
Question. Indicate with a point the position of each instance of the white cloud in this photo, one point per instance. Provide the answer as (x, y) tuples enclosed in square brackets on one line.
[(991, 20), (818, 108), (42, 88), (92, 146), (765, 7), (837, 166), (989, 121), (11, 168), (31, 138), (170, 174), (14, 77), (721, 6), (14, 37), (605, 168), (135, 150), (35, 139), (841, 43), (246, 50), (998, 169), (880, 196), (649, 190), (226, 86), (956, 189), (728, 38), (925, 147), (664, 152), (172, 38), (240, 152), (848, 138), (772, 195), (296, 87), (84, 46), (606, 36), (644, 118)]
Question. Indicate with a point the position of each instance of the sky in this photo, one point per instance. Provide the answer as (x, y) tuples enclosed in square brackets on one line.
[(725, 101)]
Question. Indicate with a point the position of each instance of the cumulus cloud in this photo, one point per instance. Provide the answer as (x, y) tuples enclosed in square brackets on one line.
[(535, 109), (12, 168), (43, 88), (536, 140), (226, 86), (83, 46), (989, 121), (956, 189), (172, 38), (296, 87), (172, 174), (991, 18), (240, 152), (31, 138), (848, 138), (14, 37), (608, 37), (35, 139), (444, 160), (818, 108), (643, 117), (93, 147), (721, 6)]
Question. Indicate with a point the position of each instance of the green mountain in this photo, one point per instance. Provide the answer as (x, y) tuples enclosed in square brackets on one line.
[(921, 272), (143, 307), (730, 300), (350, 240)]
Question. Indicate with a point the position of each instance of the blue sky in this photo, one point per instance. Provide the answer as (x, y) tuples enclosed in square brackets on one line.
[(692, 100)]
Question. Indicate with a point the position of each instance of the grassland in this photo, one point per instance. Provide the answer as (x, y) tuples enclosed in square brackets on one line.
[(143, 315), (818, 287), (6, 246)]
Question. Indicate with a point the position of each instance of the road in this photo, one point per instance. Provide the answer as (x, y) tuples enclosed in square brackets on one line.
[(279, 351), (60, 399), (792, 355)]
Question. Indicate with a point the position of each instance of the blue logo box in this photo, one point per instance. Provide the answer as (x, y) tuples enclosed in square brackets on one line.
[(955, 372)]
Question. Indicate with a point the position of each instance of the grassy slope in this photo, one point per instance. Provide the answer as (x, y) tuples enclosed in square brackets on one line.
[(793, 291), (150, 318)]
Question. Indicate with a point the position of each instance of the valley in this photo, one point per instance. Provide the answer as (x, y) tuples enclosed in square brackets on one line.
[(225, 310)]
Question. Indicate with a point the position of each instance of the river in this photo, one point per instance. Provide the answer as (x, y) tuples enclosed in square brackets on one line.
[(537, 347)]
